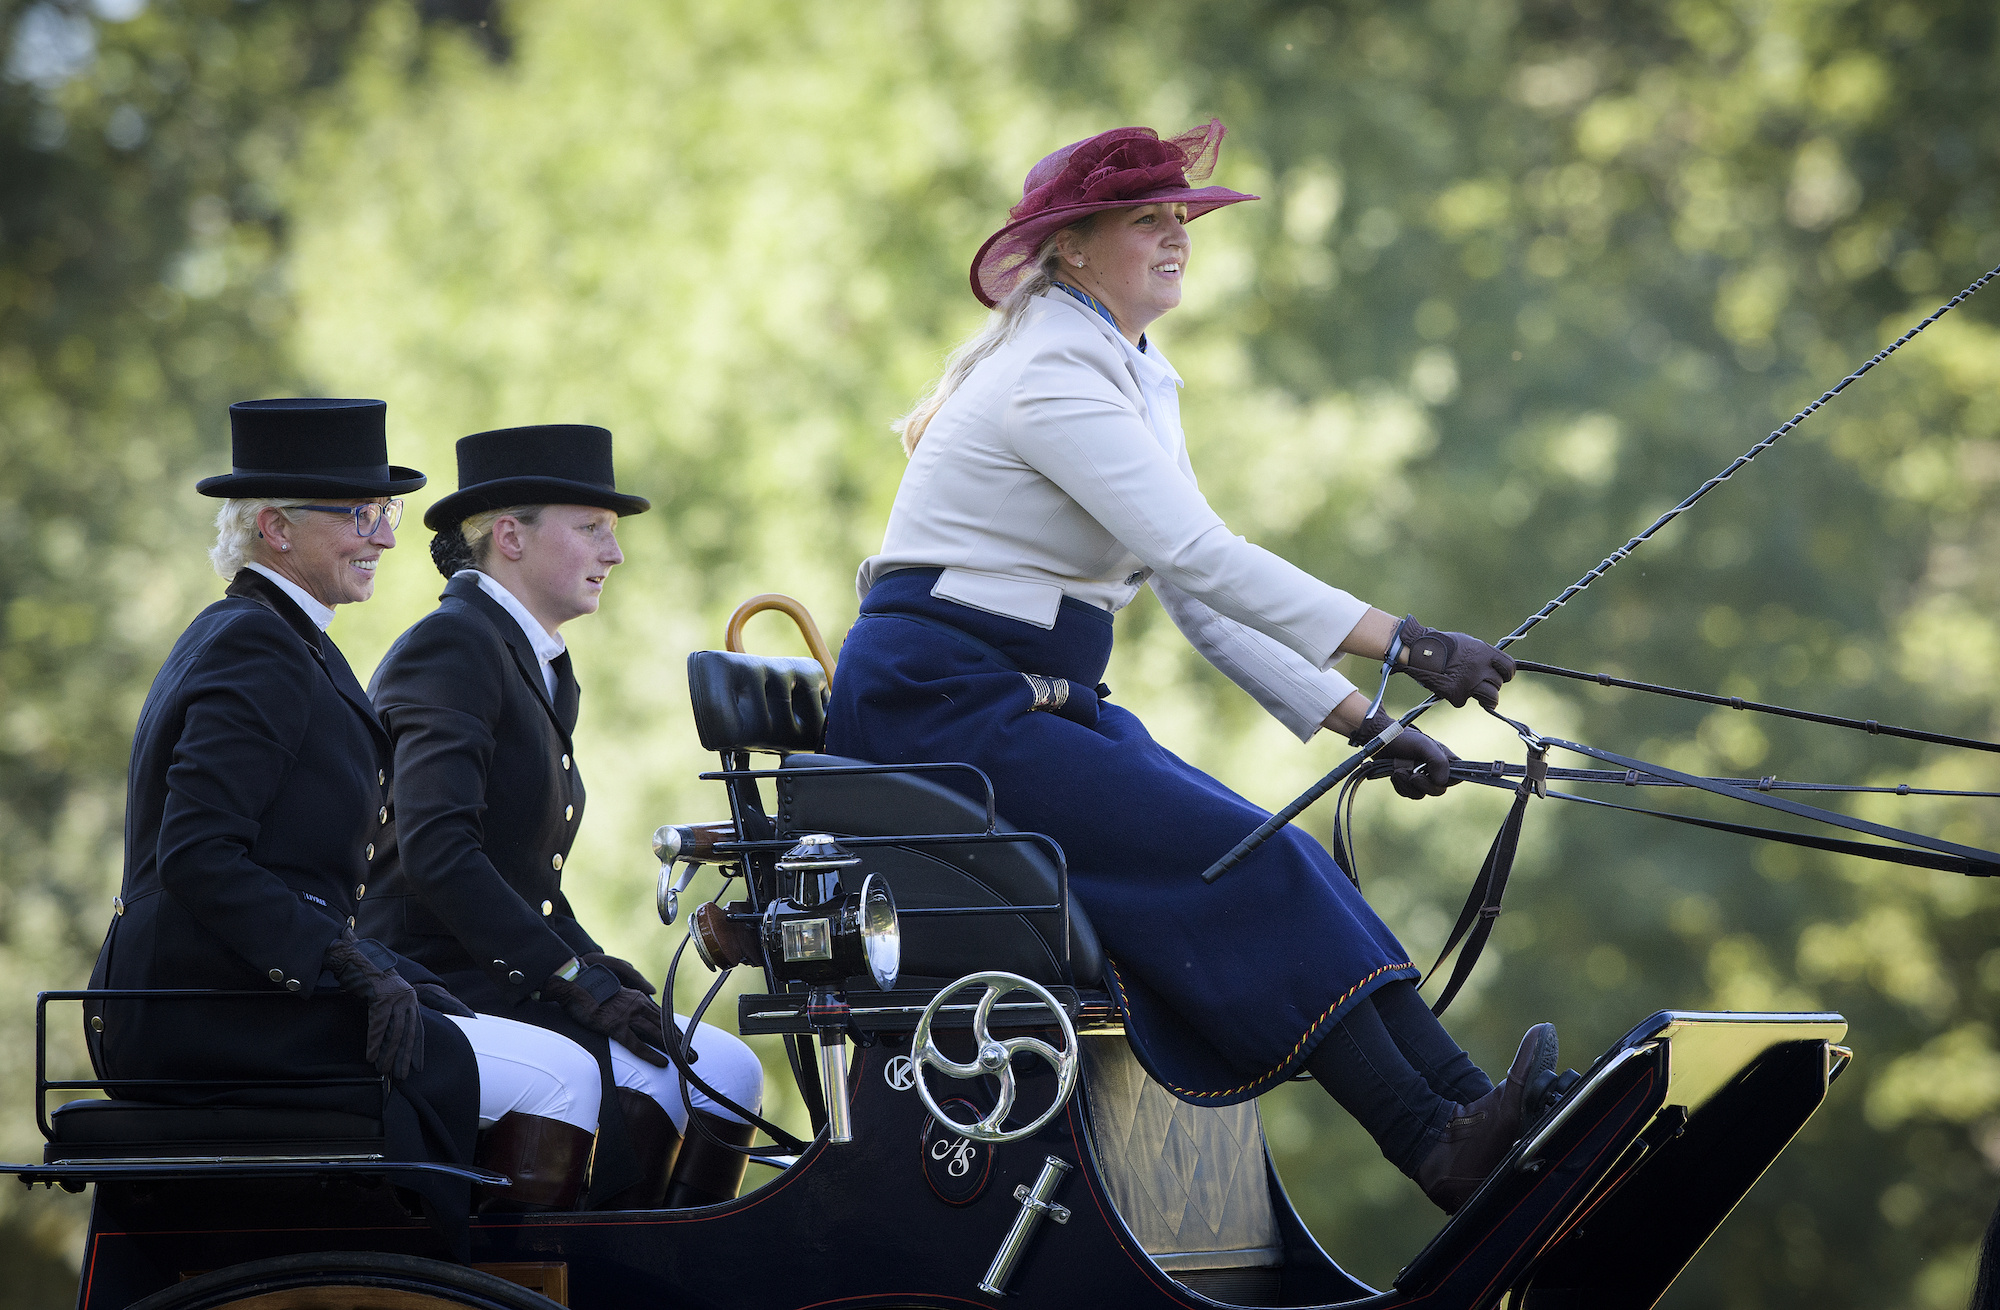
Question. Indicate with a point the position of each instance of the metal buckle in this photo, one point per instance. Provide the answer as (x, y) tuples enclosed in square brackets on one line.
[(1388, 671)]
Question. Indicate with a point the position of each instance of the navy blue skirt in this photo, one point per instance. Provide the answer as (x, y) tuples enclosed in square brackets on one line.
[(1226, 988)]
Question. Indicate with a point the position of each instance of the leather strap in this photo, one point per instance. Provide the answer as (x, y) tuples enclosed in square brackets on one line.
[(679, 1052), (1965, 859), (1482, 903), (1838, 845)]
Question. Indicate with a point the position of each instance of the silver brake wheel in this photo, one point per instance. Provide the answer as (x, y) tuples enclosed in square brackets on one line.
[(995, 1057)]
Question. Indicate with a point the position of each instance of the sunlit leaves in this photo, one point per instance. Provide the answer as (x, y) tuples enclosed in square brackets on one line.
[(1525, 275)]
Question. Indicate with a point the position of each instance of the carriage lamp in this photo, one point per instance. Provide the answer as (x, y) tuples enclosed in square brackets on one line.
[(809, 872), (810, 934)]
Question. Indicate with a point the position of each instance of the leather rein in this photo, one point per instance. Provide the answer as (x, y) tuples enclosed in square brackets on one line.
[(1482, 906), (1531, 780)]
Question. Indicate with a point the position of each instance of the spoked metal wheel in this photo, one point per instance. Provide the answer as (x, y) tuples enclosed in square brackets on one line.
[(345, 1280)]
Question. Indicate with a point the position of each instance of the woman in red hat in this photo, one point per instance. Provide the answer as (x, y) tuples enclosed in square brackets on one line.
[(1048, 482)]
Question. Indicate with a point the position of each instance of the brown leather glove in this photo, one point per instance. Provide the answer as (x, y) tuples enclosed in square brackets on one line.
[(433, 997), (627, 975), (1454, 666), (597, 1001), (1410, 751), (395, 1031)]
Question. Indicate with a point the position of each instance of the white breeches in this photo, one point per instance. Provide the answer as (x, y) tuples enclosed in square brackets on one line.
[(528, 1070), (723, 1062)]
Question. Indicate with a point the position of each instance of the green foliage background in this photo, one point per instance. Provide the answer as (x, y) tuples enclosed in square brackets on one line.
[(1524, 274)]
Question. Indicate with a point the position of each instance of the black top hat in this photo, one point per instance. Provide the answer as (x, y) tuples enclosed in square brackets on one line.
[(549, 464), (309, 448)]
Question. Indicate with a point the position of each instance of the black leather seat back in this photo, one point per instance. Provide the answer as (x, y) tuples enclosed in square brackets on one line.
[(757, 702), (941, 950), (96, 1129)]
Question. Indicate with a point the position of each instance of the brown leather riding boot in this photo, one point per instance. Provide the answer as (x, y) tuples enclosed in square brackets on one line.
[(656, 1143), (707, 1174), (1480, 1135), (546, 1158)]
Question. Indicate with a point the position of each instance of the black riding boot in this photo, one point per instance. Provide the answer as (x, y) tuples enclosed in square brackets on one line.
[(708, 1174), (546, 1158), (1480, 1134), (1445, 1145), (656, 1143)]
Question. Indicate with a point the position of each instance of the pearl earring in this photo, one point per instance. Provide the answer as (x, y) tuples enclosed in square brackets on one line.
[(284, 545)]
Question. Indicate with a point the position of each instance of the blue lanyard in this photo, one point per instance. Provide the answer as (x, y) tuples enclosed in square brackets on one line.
[(1094, 303)]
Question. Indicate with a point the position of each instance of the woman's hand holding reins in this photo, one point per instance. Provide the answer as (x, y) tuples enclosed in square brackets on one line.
[(1422, 766), (1454, 666)]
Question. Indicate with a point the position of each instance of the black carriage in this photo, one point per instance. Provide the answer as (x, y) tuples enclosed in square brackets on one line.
[(983, 1132)]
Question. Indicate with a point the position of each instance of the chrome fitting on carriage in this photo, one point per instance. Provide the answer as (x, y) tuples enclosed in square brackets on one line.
[(810, 871), (829, 1015), (692, 844), (812, 935), (1035, 1203), (667, 892)]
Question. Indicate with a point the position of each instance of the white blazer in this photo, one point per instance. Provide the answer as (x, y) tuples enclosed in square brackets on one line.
[(1059, 468)]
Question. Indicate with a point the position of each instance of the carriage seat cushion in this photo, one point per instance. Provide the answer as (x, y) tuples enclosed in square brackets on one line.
[(925, 877), (757, 702), (137, 1123)]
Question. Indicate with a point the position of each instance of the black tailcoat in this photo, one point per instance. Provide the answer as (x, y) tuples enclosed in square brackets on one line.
[(488, 801), (256, 805)]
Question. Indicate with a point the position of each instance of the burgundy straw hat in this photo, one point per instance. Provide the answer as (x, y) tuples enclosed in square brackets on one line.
[(1113, 170)]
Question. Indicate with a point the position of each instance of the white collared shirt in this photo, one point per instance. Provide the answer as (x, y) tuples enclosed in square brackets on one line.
[(1161, 386), (544, 643), (321, 615)]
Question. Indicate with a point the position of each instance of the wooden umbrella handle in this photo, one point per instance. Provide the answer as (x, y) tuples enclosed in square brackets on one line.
[(733, 636)]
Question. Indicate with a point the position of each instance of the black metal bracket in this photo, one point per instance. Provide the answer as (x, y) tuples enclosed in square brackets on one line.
[(73, 1175), (898, 1011), (44, 1084)]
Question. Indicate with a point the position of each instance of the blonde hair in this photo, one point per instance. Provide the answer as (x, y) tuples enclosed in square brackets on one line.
[(998, 330), (236, 530), (466, 544)]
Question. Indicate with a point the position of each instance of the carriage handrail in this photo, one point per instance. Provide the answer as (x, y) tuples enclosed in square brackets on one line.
[(1054, 848), (44, 1084), (172, 1168), (1055, 851), (852, 770)]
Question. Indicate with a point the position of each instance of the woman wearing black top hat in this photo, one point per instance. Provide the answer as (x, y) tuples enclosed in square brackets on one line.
[(259, 799), (481, 703)]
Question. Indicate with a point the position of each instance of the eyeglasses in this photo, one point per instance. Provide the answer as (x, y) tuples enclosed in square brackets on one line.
[(368, 517)]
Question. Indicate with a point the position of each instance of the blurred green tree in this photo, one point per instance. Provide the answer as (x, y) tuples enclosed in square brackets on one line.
[(1602, 249), (1525, 274), (141, 290)]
